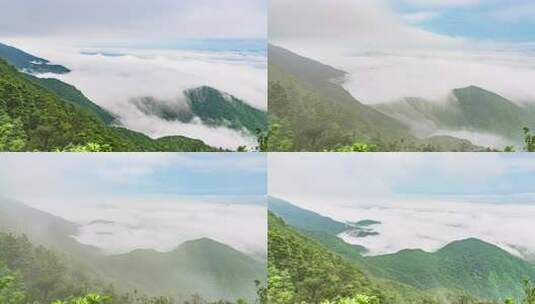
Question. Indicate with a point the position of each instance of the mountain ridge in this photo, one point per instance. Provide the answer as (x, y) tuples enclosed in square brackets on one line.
[(202, 266)]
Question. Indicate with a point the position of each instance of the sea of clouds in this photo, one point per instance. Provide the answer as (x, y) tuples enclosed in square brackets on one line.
[(163, 224), (113, 77), (432, 223)]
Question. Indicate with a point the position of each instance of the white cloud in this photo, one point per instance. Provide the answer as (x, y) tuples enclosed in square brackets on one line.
[(419, 17), (431, 224), (344, 27), (163, 224)]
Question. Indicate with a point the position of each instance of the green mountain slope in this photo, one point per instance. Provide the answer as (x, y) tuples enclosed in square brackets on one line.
[(29, 63), (304, 219), (219, 109), (73, 96), (471, 265), (315, 112), (205, 267), (301, 270), (214, 108), (471, 108), (36, 119)]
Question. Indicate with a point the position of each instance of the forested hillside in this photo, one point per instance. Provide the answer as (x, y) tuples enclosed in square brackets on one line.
[(303, 271), (213, 107), (311, 111), (33, 118), (46, 263), (465, 269), (472, 108)]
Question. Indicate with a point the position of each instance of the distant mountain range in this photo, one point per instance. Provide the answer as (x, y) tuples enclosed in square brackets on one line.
[(49, 114), (29, 63), (316, 113), (205, 267), (469, 266)]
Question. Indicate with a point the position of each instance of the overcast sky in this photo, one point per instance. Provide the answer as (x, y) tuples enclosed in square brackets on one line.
[(154, 200), (423, 200), (406, 48), (133, 20)]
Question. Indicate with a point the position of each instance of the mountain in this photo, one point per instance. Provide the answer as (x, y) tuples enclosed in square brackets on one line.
[(313, 112), (211, 269), (29, 63), (470, 266), (303, 271), (214, 108), (304, 219), (36, 119), (472, 108), (72, 95), (202, 266)]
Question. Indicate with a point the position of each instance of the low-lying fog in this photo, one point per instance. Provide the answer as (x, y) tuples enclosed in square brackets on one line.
[(163, 224)]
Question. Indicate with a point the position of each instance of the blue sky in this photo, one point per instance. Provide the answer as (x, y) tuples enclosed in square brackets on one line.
[(54, 176), (495, 20), (352, 177)]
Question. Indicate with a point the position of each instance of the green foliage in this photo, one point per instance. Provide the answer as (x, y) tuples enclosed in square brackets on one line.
[(473, 266), (88, 299), (89, 147), (358, 299), (73, 96), (12, 135), (219, 109), (281, 290), (302, 271), (357, 147), (529, 140), (529, 293), (12, 290)]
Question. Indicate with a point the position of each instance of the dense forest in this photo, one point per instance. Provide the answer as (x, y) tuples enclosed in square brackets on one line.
[(311, 267)]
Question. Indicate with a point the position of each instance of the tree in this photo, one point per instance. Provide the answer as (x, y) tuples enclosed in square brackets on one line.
[(529, 140), (12, 136)]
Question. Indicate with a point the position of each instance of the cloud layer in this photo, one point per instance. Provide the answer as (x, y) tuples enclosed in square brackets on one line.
[(430, 224), (146, 200), (162, 224), (423, 200)]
